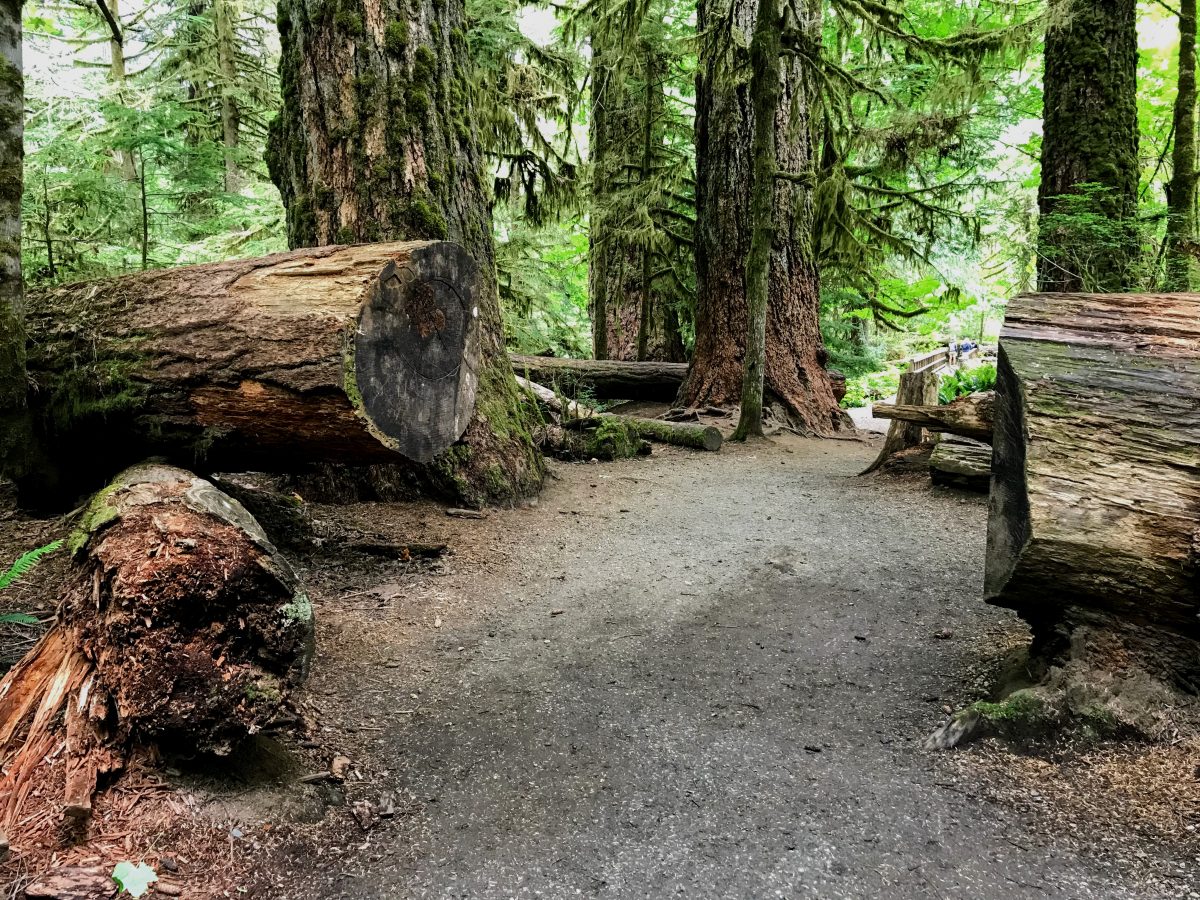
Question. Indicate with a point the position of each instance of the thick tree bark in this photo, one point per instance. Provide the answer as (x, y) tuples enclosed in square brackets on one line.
[(13, 420), (1096, 491), (1181, 190), (376, 141), (604, 379), (765, 73), (795, 372), (631, 320), (180, 625), (969, 417), (362, 354), (1090, 137)]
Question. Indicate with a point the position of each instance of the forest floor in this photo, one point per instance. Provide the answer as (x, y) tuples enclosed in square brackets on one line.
[(696, 675)]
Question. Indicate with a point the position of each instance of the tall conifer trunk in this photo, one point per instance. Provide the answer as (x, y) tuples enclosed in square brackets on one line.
[(13, 431), (1090, 137), (376, 141), (631, 320), (1181, 191), (795, 356)]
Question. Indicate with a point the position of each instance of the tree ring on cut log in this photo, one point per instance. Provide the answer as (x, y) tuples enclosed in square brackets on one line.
[(416, 350)]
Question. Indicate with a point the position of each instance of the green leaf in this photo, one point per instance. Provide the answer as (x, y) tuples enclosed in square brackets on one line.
[(26, 562), (135, 880), (18, 619)]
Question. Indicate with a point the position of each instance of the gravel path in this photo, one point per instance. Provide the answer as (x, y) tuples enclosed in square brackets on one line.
[(704, 676)]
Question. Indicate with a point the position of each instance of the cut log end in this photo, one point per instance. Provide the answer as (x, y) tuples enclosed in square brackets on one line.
[(416, 350)]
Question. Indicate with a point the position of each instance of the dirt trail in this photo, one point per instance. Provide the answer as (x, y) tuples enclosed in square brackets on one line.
[(704, 676)]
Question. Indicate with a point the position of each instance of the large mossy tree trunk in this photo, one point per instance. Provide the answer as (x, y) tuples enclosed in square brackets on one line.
[(795, 372), (765, 70), (13, 423), (1089, 148), (1181, 190), (376, 142), (631, 319)]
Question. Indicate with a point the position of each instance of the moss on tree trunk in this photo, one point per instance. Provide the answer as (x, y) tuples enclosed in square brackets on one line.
[(795, 359), (13, 421), (376, 141), (1090, 137), (632, 320), (1181, 190)]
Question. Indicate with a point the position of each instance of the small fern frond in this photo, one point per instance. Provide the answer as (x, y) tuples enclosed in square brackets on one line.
[(25, 563)]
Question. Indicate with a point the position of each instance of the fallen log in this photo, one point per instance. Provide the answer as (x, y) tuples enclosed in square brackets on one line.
[(180, 626), (361, 354), (572, 415), (969, 417), (1092, 525), (959, 463), (603, 379)]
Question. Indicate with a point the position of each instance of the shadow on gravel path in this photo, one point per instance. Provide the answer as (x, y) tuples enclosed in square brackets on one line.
[(703, 676)]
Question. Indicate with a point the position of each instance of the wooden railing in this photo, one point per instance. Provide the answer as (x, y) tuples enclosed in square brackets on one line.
[(929, 361)]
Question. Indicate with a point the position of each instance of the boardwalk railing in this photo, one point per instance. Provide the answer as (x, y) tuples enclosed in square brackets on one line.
[(929, 362)]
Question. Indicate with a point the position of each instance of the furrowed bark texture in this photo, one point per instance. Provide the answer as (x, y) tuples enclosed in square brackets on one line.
[(1095, 503), (179, 626), (376, 142), (12, 329), (795, 356), (630, 320), (360, 354), (1090, 136), (1181, 190)]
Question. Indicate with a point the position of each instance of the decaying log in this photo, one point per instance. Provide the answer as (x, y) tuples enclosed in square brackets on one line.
[(1096, 484), (961, 463), (917, 388), (575, 415), (180, 626), (969, 417), (604, 379), (362, 354)]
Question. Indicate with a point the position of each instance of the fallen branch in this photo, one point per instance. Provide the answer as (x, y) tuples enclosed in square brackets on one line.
[(969, 416)]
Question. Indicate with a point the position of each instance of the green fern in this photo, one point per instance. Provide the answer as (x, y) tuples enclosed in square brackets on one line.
[(25, 563)]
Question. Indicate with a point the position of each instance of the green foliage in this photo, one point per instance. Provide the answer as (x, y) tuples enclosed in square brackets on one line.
[(543, 288), (966, 381), (134, 879), (1080, 237), (868, 388), (26, 562), (128, 172)]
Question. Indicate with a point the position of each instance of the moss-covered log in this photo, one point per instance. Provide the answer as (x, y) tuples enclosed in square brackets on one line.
[(180, 626), (364, 354), (680, 434), (1095, 503)]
